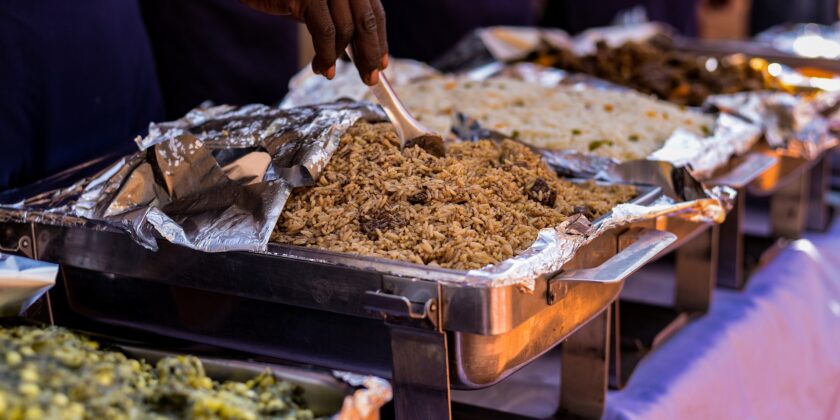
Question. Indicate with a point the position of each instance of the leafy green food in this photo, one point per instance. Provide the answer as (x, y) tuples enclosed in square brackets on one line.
[(52, 373)]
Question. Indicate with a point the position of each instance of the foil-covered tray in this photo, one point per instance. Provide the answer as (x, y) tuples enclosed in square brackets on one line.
[(217, 180), (494, 306), (729, 136), (799, 124)]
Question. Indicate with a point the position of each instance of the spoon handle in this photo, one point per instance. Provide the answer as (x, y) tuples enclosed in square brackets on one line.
[(407, 127)]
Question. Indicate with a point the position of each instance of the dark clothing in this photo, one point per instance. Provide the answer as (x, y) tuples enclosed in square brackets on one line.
[(576, 16), (768, 13), (219, 50), (77, 81), (423, 30)]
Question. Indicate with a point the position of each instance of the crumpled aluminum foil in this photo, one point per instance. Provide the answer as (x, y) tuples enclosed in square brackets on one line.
[(215, 180), (22, 282), (553, 248), (804, 39), (498, 43), (615, 36), (797, 125), (182, 184), (308, 88), (730, 136)]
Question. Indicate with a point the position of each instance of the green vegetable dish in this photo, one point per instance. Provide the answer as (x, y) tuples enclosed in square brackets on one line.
[(52, 373)]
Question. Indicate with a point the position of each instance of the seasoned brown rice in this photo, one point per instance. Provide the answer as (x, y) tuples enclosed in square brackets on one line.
[(482, 203)]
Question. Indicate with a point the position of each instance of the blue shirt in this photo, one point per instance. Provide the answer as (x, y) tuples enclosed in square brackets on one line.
[(77, 80)]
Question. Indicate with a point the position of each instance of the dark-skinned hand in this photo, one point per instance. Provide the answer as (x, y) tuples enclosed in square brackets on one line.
[(335, 24)]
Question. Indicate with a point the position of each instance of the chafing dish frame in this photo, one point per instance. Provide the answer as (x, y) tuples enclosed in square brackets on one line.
[(442, 333)]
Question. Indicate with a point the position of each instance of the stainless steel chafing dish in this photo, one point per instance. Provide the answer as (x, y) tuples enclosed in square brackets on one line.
[(428, 329), (425, 328)]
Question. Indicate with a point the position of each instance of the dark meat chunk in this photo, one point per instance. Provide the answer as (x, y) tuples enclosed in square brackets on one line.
[(578, 224), (379, 221), (432, 144), (656, 78), (656, 67), (542, 193), (584, 210), (421, 197)]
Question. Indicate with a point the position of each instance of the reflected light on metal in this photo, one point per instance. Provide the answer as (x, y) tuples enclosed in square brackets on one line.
[(813, 46), (775, 69), (711, 64)]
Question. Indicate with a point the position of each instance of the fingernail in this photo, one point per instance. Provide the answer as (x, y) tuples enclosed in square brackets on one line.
[(330, 72), (373, 77), (384, 64)]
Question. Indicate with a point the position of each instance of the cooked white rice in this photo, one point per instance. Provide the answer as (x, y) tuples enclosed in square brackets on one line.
[(622, 125)]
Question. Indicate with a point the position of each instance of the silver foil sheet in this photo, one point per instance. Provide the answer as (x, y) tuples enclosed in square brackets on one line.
[(804, 39), (308, 88), (730, 135), (215, 180), (22, 282), (555, 247), (798, 125), (801, 125)]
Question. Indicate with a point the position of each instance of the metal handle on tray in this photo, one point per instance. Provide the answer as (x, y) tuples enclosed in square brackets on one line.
[(648, 245)]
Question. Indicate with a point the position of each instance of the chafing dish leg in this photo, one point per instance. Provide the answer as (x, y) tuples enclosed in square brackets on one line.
[(789, 204), (421, 373), (583, 382), (616, 379), (731, 262), (818, 213), (696, 271)]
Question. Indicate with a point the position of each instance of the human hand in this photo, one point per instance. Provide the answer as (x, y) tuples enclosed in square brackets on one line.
[(335, 24)]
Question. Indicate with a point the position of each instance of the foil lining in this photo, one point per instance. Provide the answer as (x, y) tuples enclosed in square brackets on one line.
[(554, 248), (703, 155), (797, 125), (308, 88), (708, 153), (615, 36), (215, 180), (22, 282), (804, 39), (732, 136)]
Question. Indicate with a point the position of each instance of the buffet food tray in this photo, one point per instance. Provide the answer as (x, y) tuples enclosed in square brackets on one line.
[(327, 309), (336, 396)]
